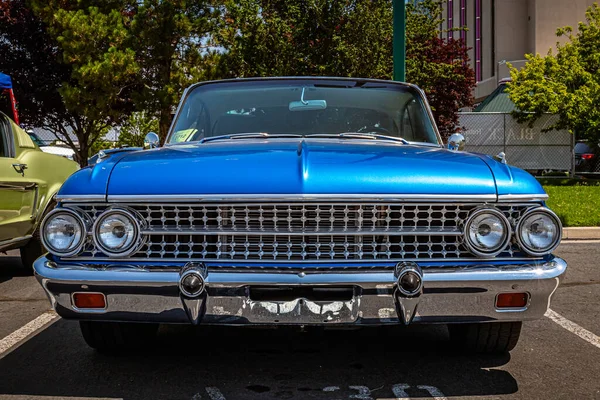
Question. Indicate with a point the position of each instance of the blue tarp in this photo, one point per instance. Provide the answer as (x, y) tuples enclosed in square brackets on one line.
[(5, 82)]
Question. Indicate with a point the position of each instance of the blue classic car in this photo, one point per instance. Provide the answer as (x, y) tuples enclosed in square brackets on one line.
[(301, 201)]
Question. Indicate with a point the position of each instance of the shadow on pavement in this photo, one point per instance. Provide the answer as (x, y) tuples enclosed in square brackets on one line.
[(10, 267), (251, 363)]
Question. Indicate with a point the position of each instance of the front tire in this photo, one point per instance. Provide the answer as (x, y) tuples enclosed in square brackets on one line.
[(489, 337), (112, 337), (31, 252)]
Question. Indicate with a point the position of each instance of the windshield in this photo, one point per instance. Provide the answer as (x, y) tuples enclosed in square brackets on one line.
[(303, 108)]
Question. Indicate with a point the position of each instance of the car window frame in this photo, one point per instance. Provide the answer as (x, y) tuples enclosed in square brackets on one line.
[(418, 92), (8, 142)]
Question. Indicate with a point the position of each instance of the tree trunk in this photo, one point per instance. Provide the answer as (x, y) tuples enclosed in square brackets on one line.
[(164, 123), (82, 153)]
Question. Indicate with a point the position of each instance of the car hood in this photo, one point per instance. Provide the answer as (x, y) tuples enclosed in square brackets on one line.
[(300, 167)]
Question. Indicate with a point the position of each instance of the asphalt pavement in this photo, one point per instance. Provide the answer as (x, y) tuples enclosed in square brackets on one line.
[(557, 357)]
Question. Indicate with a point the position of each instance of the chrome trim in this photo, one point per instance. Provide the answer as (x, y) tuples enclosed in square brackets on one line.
[(136, 243), (15, 241), (522, 197), (301, 197), (450, 294), (551, 214), (507, 229), (83, 198), (245, 263), (396, 232), (82, 223)]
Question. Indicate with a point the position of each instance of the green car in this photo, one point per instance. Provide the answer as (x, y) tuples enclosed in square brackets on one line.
[(29, 179)]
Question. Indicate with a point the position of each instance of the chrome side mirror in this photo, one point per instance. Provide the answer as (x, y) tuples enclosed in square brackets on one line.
[(456, 142), (151, 141)]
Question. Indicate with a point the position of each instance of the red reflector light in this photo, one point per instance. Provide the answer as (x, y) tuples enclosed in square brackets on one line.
[(89, 300), (512, 300), (587, 156)]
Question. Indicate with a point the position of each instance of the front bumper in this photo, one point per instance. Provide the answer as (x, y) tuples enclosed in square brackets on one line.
[(451, 294)]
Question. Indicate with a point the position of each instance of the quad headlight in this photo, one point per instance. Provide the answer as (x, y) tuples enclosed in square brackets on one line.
[(539, 231), (487, 232), (63, 232), (117, 233)]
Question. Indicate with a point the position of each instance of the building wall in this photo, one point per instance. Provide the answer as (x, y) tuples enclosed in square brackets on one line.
[(509, 29), (552, 14)]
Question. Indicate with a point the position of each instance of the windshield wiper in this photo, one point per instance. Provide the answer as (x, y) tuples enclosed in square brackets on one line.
[(361, 135), (249, 135)]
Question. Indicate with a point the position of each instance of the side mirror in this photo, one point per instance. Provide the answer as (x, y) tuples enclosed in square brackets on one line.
[(151, 141), (456, 142)]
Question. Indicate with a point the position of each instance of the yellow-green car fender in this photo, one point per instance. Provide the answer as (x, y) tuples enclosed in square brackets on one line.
[(29, 179)]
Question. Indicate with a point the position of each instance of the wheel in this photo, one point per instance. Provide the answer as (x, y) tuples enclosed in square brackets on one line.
[(31, 252), (112, 337), (489, 337)]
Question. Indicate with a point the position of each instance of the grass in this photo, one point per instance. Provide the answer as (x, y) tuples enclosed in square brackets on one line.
[(575, 201)]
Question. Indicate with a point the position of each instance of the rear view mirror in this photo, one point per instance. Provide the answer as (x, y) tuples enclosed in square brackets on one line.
[(307, 105)]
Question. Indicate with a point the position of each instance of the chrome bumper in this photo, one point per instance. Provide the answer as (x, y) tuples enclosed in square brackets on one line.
[(450, 295)]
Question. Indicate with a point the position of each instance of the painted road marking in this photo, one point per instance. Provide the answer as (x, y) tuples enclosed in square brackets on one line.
[(15, 339), (574, 328)]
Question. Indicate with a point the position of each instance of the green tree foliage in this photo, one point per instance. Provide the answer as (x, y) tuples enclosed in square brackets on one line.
[(566, 83), (32, 58), (134, 129), (346, 38), (171, 41)]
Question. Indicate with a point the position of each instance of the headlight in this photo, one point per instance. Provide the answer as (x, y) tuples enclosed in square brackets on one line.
[(117, 232), (487, 232), (63, 232), (539, 231)]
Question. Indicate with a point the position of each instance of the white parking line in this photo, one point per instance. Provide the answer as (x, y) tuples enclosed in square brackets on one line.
[(574, 328), (15, 339)]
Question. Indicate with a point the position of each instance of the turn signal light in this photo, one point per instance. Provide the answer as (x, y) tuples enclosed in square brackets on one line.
[(89, 300), (512, 300)]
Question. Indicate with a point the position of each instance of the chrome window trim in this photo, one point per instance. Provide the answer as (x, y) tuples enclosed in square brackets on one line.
[(482, 198)]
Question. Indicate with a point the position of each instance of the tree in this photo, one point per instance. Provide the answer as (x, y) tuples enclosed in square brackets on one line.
[(31, 57), (346, 38), (438, 66), (102, 68), (566, 83), (134, 129), (171, 41)]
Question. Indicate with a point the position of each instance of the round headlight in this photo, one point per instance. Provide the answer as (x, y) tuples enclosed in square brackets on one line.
[(117, 233), (63, 232), (539, 231), (487, 232)]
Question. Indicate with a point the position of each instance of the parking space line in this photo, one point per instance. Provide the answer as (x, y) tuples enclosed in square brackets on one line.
[(574, 328), (14, 339)]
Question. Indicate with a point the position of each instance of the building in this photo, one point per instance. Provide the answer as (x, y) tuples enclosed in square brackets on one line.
[(506, 30)]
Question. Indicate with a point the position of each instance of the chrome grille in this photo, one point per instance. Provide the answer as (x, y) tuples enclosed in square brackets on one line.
[(321, 232)]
